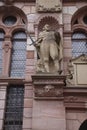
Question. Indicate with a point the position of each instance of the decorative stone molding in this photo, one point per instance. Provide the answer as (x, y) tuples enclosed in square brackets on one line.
[(7, 46), (8, 2), (75, 98), (48, 86)]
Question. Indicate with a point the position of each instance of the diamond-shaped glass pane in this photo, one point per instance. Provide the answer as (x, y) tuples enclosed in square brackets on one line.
[(14, 108), (79, 46), (78, 35), (18, 55), (9, 20)]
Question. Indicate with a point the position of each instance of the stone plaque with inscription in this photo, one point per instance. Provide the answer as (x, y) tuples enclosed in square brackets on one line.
[(48, 5)]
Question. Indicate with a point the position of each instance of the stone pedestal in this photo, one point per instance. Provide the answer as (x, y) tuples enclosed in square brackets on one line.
[(48, 106), (48, 86)]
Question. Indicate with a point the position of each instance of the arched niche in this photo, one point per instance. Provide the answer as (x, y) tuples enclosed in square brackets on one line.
[(83, 126), (48, 20)]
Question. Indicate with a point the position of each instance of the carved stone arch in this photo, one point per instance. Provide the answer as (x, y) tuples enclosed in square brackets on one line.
[(77, 18), (12, 10), (21, 21), (50, 19), (83, 126), (2, 28), (16, 29), (80, 28)]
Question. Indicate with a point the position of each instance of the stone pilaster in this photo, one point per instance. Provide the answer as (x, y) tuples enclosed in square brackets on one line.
[(48, 106)]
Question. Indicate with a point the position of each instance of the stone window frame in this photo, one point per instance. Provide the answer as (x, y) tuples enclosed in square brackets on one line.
[(19, 25), (77, 23)]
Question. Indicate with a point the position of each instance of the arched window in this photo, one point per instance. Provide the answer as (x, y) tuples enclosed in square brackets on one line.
[(18, 54), (1, 42), (83, 125), (79, 44)]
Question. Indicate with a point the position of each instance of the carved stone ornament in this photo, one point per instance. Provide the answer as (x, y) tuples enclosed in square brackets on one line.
[(48, 5), (6, 47), (48, 91), (48, 86)]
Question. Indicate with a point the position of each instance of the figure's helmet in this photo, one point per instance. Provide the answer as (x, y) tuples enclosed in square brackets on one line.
[(46, 27)]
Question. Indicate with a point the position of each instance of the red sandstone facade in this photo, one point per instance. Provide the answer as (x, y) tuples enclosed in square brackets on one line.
[(49, 103)]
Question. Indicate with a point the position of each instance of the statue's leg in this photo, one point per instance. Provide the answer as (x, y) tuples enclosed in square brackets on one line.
[(54, 55), (45, 55)]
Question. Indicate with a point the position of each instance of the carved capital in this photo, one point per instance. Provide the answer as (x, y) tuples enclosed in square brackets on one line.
[(7, 46)]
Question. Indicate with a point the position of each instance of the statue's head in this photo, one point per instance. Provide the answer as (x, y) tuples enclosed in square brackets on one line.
[(46, 27)]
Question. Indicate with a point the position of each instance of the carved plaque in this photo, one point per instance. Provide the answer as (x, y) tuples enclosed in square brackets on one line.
[(82, 73), (48, 5), (48, 86), (80, 70)]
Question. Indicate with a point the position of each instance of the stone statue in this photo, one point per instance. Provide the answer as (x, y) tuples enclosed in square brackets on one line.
[(70, 73), (49, 49)]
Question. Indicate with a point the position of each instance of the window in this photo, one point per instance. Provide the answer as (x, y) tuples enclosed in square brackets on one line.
[(13, 42), (1, 43), (14, 107), (79, 44), (18, 54), (9, 20)]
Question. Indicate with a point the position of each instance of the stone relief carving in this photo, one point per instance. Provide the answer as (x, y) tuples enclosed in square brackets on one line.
[(69, 77), (7, 46), (48, 91), (75, 99), (48, 5), (49, 48), (48, 86), (77, 70)]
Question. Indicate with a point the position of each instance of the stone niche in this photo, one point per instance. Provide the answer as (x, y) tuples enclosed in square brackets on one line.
[(48, 5)]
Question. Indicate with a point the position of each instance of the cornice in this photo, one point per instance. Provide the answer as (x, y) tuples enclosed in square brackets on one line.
[(74, 1)]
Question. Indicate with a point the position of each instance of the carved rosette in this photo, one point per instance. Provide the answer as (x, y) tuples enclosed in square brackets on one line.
[(48, 86)]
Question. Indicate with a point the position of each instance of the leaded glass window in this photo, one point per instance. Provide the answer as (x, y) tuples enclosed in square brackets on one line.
[(14, 108), (18, 55), (9, 20), (85, 19), (79, 44), (1, 42)]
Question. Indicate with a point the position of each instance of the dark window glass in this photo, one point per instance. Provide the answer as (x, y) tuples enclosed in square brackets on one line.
[(79, 44), (1, 42), (85, 19), (9, 20), (18, 55), (14, 108)]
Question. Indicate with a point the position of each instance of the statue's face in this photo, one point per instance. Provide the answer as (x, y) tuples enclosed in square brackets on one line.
[(46, 27)]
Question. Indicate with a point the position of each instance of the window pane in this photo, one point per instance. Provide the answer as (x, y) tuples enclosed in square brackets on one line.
[(18, 55), (1, 42), (78, 35), (9, 20), (79, 44), (14, 108)]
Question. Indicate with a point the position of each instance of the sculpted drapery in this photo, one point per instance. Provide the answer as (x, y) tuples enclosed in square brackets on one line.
[(49, 49)]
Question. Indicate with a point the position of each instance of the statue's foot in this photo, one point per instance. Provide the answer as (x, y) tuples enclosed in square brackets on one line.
[(60, 72)]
